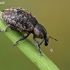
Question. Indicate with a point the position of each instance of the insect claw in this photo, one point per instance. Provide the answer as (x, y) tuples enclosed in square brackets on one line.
[(40, 52), (2, 30), (15, 44)]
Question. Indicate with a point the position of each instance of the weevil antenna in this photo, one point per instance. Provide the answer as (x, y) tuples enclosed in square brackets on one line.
[(52, 38), (50, 48)]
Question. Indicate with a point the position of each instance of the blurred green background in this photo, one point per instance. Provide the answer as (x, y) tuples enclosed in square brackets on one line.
[(54, 15)]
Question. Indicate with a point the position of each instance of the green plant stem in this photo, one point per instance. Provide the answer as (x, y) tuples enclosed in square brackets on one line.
[(30, 50)]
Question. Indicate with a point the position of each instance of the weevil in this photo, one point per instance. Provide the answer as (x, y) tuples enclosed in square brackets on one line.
[(21, 20)]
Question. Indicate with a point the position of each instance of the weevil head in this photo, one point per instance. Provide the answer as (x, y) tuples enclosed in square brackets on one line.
[(40, 32)]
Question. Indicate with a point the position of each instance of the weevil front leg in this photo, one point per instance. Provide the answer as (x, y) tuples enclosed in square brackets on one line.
[(22, 38), (4, 30), (38, 44)]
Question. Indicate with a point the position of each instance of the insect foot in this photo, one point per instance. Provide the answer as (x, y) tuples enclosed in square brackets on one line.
[(2, 30), (15, 43), (40, 53)]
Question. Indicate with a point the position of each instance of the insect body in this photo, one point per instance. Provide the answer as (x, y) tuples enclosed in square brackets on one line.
[(21, 20)]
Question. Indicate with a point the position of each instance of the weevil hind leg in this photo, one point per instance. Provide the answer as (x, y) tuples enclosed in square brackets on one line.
[(21, 38), (4, 30)]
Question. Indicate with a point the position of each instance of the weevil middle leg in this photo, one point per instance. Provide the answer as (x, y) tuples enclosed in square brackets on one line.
[(22, 38), (4, 30)]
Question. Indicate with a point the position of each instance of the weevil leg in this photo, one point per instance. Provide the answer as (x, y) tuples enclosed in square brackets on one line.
[(38, 44), (4, 30), (22, 38), (41, 42)]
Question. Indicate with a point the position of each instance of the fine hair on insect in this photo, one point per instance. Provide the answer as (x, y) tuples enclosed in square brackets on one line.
[(21, 20)]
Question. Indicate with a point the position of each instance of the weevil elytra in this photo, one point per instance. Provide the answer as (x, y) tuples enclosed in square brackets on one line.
[(19, 19)]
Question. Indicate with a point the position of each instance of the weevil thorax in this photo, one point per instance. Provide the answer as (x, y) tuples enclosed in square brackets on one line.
[(39, 31)]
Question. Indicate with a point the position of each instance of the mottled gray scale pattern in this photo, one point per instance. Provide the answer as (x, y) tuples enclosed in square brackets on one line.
[(19, 19), (23, 21)]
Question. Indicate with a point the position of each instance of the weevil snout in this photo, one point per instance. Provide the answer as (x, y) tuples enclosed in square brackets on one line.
[(46, 41)]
